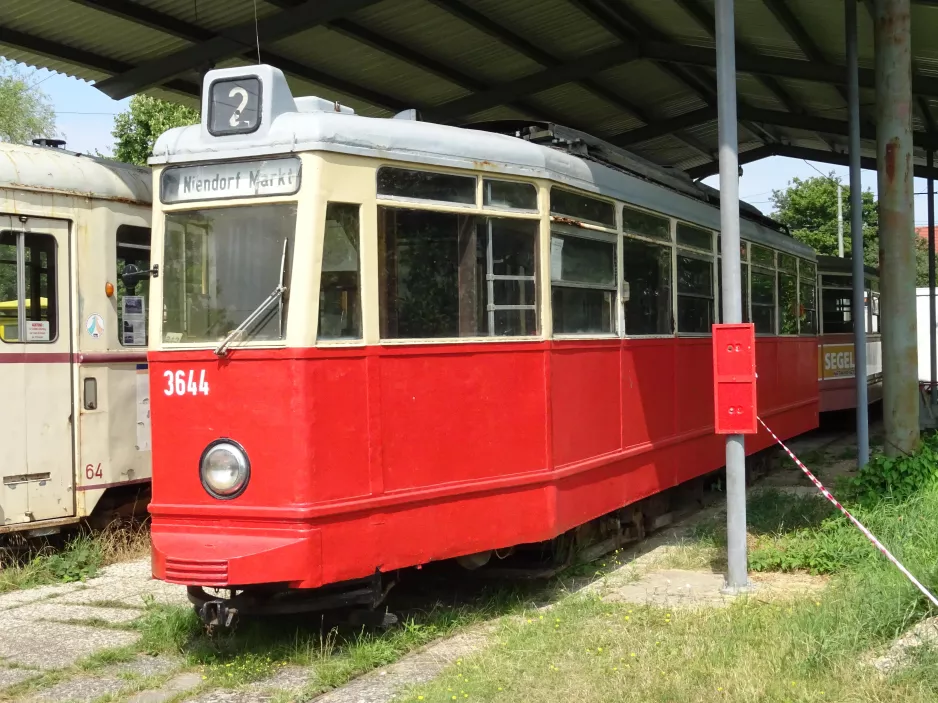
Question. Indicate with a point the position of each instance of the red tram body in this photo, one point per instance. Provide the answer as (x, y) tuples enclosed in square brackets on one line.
[(368, 454), (396, 457)]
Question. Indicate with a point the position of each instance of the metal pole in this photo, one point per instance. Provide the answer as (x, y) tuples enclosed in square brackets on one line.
[(931, 278), (840, 220), (737, 578), (896, 238), (856, 236)]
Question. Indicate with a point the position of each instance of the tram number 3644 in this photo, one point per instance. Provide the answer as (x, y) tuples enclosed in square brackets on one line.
[(177, 383)]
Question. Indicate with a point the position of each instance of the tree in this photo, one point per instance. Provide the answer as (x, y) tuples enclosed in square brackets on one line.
[(25, 111), (809, 208), (137, 128)]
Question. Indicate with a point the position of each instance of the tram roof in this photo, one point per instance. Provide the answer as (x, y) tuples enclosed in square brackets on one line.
[(637, 73), (290, 125), (49, 169)]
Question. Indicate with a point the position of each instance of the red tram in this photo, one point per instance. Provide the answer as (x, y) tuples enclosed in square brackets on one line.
[(836, 360), (388, 342)]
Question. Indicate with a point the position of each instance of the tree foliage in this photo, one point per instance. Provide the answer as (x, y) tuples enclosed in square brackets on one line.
[(137, 128), (25, 111), (809, 208)]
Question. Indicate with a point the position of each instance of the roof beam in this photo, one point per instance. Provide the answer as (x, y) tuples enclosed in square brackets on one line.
[(705, 19), (777, 118), (490, 27), (231, 43), (800, 152), (84, 58), (184, 30), (772, 66), (534, 83)]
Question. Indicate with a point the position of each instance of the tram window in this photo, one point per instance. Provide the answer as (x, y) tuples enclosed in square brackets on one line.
[(762, 256), (220, 265), (787, 302), (694, 236), (829, 281), (426, 185), (874, 314), (807, 271), (583, 291), (808, 318), (645, 224), (694, 294), (787, 263), (509, 194), (744, 287), (339, 288), (581, 207), (647, 273), (38, 276), (133, 248), (763, 300), (448, 275), (836, 311)]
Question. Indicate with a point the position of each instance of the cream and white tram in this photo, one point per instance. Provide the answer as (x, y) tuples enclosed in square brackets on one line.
[(74, 405)]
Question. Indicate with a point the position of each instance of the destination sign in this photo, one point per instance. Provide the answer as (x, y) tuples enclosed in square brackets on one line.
[(245, 179)]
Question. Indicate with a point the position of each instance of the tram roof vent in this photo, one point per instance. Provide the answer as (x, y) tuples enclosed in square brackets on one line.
[(46, 141), (311, 103)]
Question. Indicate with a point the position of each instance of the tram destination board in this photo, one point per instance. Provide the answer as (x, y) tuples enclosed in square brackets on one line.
[(243, 179)]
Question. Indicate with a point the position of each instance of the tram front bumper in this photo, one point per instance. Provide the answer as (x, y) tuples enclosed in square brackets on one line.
[(220, 560)]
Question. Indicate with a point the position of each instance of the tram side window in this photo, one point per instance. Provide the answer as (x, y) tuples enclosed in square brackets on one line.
[(807, 281), (445, 275), (583, 284), (647, 273), (694, 293), (508, 194), (582, 207), (37, 277), (339, 289), (133, 249), (837, 310), (788, 294), (763, 299), (426, 185)]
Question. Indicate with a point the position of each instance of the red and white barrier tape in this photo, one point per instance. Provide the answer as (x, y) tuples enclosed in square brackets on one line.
[(869, 535)]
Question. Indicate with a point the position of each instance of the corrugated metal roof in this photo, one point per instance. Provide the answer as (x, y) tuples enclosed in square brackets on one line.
[(578, 62)]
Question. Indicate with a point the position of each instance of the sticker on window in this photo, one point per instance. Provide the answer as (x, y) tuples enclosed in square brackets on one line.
[(556, 258), (37, 330)]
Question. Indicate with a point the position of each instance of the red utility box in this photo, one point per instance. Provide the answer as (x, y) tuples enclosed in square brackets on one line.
[(734, 379)]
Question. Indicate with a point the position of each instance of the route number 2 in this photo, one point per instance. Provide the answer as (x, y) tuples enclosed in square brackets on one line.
[(178, 384)]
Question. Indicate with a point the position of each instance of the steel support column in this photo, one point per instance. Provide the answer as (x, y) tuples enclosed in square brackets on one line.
[(896, 228), (856, 234), (737, 577), (931, 281)]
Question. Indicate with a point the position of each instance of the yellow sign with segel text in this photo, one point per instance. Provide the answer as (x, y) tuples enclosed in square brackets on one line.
[(838, 361)]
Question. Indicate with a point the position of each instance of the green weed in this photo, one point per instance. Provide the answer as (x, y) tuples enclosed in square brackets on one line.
[(78, 560)]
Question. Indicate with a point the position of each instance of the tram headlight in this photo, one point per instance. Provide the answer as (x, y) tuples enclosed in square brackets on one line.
[(224, 469)]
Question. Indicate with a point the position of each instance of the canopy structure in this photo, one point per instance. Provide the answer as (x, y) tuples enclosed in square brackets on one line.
[(637, 73)]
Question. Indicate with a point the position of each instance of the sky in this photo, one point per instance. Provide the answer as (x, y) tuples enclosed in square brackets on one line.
[(85, 118)]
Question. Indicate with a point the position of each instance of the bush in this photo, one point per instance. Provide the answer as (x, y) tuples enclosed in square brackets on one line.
[(897, 477)]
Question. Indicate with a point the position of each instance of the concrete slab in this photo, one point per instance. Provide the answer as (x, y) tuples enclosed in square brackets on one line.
[(671, 588), (11, 677), (171, 689), (47, 645), (15, 599), (81, 689), (148, 665), (52, 610)]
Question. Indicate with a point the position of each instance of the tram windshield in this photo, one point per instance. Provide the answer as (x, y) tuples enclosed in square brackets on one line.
[(220, 265)]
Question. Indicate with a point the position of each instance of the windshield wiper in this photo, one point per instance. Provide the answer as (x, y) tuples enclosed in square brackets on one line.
[(275, 297)]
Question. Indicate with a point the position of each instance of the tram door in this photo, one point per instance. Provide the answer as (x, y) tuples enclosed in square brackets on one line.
[(36, 455)]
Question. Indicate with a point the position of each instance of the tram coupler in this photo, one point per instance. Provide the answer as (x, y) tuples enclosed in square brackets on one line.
[(218, 615)]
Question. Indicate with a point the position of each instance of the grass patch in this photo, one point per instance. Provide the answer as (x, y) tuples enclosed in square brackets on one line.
[(258, 648), (750, 651), (78, 558)]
